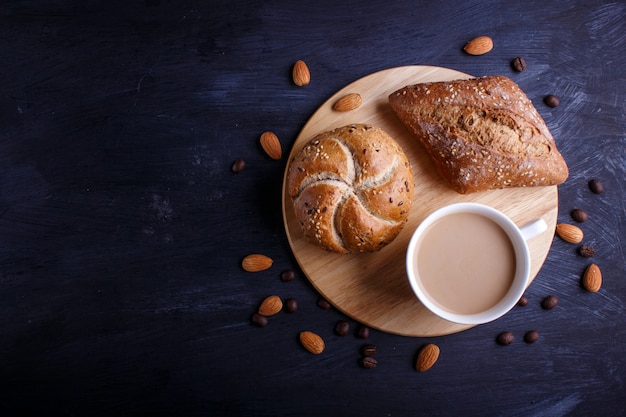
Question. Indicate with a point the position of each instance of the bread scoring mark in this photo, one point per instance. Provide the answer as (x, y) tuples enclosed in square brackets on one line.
[(318, 207), (353, 169), (353, 234), (381, 178), (364, 175), (336, 228), (322, 177), (315, 151)]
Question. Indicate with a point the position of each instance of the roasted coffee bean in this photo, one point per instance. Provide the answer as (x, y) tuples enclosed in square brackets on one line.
[(531, 336), (369, 362), (363, 332), (238, 166), (288, 275), (580, 215), (323, 304), (291, 305), (596, 186), (523, 301), (505, 338), (587, 251), (342, 328), (551, 100), (519, 64), (259, 320), (369, 350), (549, 302)]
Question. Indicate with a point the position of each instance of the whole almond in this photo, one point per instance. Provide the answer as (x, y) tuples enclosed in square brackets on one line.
[(592, 278), (270, 306), (312, 342), (301, 74), (271, 145), (479, 46), (427, 357), (348, 102), (256, 262), (569, 233)]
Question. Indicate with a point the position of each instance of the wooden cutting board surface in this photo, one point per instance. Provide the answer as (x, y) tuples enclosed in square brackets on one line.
[(373, 288)]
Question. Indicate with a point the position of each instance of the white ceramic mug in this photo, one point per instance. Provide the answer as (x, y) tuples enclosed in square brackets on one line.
[(454, 249)]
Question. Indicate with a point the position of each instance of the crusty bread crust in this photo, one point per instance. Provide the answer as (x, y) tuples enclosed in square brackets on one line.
[(351, 188), (482, 133)]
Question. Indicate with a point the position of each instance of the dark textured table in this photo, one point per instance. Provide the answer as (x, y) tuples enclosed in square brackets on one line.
[(122, 226)]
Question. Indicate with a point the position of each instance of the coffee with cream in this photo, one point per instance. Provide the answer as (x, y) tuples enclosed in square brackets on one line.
[(465, 262)]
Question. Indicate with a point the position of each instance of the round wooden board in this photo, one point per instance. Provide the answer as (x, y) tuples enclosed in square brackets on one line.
[(373, 288)]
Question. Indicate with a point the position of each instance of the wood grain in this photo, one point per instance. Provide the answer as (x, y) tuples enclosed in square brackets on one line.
[(373, 288)]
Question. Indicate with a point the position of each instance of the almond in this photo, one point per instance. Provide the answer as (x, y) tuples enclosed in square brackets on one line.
[(569, 233), (427, 357), (270, 306), (271, 145), (256, 262), (348, 102), (479, 46), (301, 74), (592, 278), (312, 342)]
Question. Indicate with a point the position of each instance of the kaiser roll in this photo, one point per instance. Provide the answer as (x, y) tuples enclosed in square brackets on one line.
[(351, 188)]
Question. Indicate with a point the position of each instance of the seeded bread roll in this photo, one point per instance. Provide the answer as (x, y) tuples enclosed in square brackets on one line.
[(351, 188), (482, 133)]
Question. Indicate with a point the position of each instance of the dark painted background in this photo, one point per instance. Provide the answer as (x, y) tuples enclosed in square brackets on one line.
[(122, 227)]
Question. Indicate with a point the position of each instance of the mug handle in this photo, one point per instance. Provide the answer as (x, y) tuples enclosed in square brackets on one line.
[(534, 228)]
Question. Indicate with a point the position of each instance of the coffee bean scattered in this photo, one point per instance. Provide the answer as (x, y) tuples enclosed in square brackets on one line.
[(369, 350), (551, 100), (549, 302), (291, 305), (531, 336), (363, 332), (505, 338), (519, 64), (587, 251), (523, 301), (596, 186), (238, 166), (369, 362), (288, 275), (342, 328), (579, 215), (259, 320), (323, 304)]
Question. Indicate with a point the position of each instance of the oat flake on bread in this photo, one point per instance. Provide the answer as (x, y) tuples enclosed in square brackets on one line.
[(351, 188), (482, 133)]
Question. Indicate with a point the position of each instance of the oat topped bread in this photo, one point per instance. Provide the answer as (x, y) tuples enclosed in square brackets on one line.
[(351, 188), (482, 133)]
